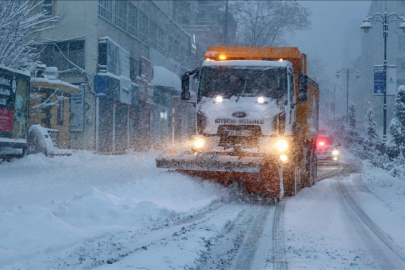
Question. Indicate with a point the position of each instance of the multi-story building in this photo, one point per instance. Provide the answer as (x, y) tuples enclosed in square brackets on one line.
[(109, 49), (372, 53)]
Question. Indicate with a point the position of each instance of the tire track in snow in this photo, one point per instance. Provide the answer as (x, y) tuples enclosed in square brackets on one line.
[(112, 247), (247, 252), (278, 251), (224, 247), (384, 237)]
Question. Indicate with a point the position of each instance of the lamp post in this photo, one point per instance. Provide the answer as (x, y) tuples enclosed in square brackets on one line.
[(334, 101), (366, 26), (347, 71)]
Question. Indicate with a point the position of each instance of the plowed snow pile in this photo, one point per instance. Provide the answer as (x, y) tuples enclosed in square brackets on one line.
[(48, 204)]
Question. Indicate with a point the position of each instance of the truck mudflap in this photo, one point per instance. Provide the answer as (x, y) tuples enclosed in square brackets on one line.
[(259, 175), (210, 162)]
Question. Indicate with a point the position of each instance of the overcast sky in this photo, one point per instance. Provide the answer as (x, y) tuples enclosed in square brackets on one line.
[(334, 24)]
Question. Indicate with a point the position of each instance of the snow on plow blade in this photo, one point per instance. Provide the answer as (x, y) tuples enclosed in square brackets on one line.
[(210, 162)]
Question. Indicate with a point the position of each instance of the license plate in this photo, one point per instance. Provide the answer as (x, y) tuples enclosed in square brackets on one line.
[(239, 132)]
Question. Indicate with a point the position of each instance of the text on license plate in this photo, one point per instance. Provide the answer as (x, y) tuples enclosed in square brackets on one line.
[(239, 132)]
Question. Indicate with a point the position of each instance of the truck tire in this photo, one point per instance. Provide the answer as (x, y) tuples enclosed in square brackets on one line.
[(291, 179), (310, 169)]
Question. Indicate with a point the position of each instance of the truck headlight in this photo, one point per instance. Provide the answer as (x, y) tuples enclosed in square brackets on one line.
[(335, 152), (281, 145), (199, 143), (219, 99)]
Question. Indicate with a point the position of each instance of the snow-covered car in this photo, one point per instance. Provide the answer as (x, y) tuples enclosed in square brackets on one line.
[(327, 150)]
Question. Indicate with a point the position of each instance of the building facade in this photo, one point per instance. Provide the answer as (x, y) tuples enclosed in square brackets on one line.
[(372, 53), (110, 48)]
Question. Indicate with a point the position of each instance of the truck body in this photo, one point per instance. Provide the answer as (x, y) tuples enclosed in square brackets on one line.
[(14, 111), (257, 120)]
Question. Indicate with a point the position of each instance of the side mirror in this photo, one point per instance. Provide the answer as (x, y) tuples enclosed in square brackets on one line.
[(185, 86), (302, 88)]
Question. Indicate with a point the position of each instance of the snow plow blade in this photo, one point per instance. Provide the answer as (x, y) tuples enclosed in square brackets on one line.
[(210, 162), (259, 175)]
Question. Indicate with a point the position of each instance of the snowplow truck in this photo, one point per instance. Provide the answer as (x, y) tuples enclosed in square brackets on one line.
[(257, 121)]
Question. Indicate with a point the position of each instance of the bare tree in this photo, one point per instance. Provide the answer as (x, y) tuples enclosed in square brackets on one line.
[(20, 21), (262, 23)]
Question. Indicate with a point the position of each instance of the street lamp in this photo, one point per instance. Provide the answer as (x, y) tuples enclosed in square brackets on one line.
[(385, 20), (347, 71)]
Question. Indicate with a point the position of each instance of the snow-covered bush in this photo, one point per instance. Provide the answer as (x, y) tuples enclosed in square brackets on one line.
[(371, 125), (397, 125), (352, 117), (20, 21)]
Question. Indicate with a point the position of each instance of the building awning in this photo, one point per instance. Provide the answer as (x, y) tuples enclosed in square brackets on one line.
[(62, 86), (164, 77)]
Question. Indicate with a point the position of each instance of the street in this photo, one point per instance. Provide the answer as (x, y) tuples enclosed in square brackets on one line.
[(120, 212)]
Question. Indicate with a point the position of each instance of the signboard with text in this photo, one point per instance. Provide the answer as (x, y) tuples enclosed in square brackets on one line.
[(14, 98), (391, 84), (379, 82)]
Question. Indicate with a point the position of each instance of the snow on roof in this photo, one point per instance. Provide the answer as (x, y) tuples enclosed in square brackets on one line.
[(22, 72), (248, 63), (115, 43), (62, 85), (164, 77)]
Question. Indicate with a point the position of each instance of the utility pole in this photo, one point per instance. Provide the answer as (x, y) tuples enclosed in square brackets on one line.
[(348, 71), (385, 19)]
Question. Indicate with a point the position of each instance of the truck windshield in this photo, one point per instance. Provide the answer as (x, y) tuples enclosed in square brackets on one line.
[(247, 81)]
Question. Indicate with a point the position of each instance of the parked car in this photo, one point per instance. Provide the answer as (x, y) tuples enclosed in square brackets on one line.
[(327, 150)]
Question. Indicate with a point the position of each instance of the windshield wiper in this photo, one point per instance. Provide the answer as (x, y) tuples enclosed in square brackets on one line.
[(243, 90)]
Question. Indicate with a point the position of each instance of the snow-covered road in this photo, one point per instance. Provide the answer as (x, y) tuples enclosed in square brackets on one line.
[(120, 212)]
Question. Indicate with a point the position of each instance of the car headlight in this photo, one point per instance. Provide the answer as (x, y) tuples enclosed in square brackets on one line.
[(283, 158), (281, 145), (199, 143), (335, 152)]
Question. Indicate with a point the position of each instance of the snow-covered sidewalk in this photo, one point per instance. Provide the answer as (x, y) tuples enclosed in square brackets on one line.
[(49, 204)]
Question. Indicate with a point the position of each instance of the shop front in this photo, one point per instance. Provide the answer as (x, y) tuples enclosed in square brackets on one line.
[(113, 104)]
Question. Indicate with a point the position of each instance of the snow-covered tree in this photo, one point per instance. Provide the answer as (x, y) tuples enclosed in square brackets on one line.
[(352, 117), (20, 21), (262, 23), (371, 125), (397, 125)]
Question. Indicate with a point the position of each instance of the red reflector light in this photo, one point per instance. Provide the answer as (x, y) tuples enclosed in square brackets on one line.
[(321, 143)]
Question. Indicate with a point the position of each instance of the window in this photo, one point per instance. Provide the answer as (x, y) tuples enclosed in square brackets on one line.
[(121, 14), (170, 44), (161, 40), (133, 20), (63, 54), (76, 53), (143, 27), (47, 7), (133, 69), (61, 110), (401, 43), (105, 9), (152, 34)]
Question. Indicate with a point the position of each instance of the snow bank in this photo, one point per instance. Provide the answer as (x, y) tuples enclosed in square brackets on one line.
[(67, 200)]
